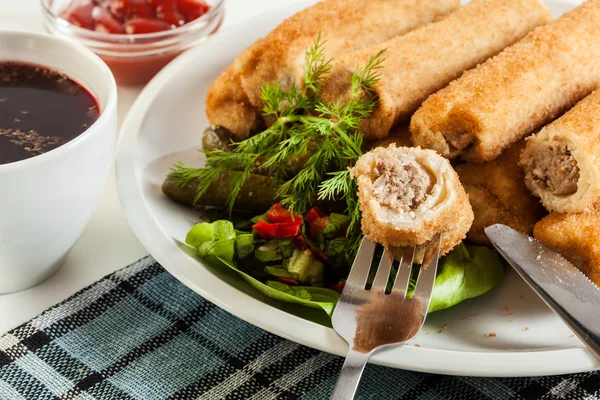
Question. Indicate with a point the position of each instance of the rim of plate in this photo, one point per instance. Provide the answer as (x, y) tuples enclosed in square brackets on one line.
[(281, 323)]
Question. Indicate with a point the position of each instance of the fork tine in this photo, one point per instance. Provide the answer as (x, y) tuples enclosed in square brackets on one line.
[(383, 271), (424, 285), (362, 264), (403, 274)]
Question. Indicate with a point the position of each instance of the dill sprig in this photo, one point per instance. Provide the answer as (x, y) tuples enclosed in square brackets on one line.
[(326, 135), (317, 68)]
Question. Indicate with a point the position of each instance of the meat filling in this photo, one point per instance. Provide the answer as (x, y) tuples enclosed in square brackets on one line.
[(553, 168), (401, 183)]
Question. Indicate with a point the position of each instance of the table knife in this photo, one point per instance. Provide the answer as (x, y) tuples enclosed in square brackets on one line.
[(565, 289)]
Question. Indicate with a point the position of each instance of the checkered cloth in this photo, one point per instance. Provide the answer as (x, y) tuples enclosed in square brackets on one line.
[(140, 334)]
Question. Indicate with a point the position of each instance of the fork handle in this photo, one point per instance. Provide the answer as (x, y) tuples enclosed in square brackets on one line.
[(352, 370)]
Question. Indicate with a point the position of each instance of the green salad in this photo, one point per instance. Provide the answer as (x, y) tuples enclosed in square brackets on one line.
[(290, 223), (304, 259)]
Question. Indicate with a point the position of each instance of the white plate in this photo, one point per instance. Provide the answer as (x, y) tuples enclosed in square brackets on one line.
[(165, 126)]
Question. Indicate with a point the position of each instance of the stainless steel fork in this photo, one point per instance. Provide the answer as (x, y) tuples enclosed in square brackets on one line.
[(371, 320)]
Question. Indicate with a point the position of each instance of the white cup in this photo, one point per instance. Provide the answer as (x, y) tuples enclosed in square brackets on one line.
[(46, 201)]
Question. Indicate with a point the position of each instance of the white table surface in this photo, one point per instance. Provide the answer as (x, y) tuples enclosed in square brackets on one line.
[(108, 243)]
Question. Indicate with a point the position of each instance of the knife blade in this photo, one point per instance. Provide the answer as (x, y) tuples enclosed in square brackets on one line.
[(565, 289)]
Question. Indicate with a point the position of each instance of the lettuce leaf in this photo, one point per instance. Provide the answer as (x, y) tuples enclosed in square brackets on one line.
[(310, 296), (467, 271)]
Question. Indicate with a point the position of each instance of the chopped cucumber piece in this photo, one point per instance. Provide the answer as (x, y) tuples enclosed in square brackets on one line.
[(268, 252), (305, 268), (213, 239), (218, 248), (336, 221), (286, 247), (223, 230), (200, 233), (314, 274), (278, 271), (299, 262), (244, 245)]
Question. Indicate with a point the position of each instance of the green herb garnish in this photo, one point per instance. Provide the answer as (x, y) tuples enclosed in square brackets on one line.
[(325, 135)]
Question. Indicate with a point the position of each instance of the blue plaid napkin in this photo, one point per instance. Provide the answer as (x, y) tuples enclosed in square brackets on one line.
[(140, 334)]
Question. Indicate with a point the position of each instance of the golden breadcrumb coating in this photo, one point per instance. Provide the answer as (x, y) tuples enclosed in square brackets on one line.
[(516, 92), (233, 101), (427, 59), (227, 105), (399, 135), (445, 207), (567, 180), (575, 236), (498, 195)]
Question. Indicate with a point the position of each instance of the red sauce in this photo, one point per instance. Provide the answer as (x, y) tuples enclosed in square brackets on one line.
[(133, 16), (138, 70), (40, 110)]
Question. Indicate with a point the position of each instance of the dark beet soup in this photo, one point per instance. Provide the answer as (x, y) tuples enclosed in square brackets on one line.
[(40, 110)]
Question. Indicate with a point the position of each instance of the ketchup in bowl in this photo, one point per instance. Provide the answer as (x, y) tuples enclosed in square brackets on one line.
[(135, 38), (134, 16)]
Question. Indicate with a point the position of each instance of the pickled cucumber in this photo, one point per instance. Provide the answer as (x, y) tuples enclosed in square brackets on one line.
[(257, 194), (217, 138)]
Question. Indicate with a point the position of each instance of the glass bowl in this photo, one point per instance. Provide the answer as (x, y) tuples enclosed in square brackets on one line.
[(134, 58)]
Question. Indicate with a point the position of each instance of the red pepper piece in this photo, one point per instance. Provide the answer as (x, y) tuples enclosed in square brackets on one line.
[(287, 281), (264, 229), (155, 3), (314, 214), (80, 16), (289, 229), (193, 9), (317, 253), (317, 226), (338, 287), (105, 22), (279, 230), (279, 214), (300, 242), (169, 12), (144, 25)]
